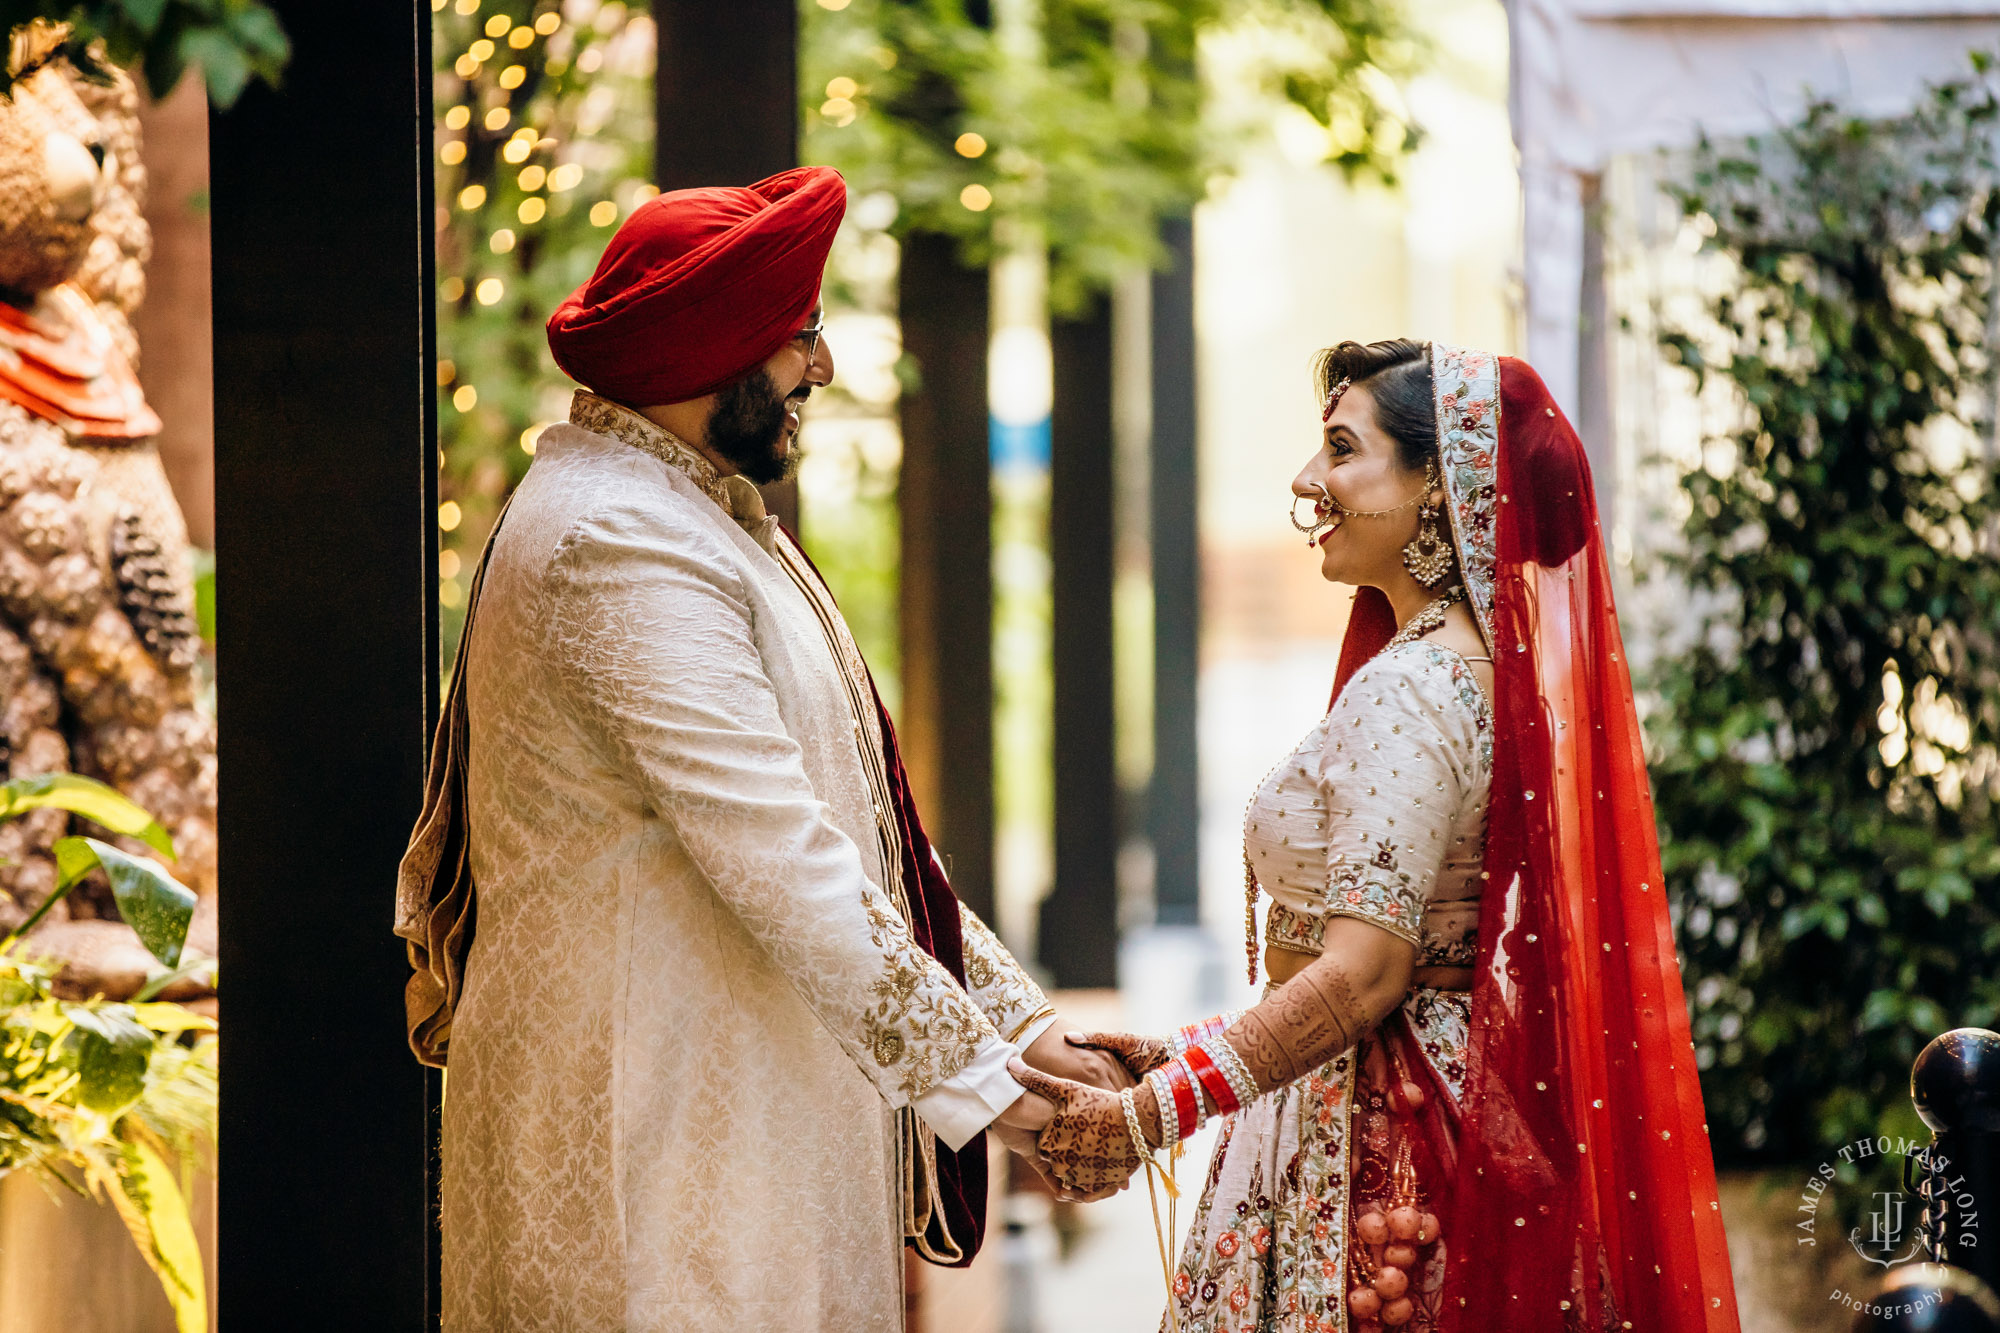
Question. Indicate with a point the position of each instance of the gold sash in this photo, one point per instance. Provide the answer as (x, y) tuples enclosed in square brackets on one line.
[(917, 1146)]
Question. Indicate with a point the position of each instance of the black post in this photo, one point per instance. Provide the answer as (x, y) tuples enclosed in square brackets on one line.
[(1079, 923), (326, 522), (725, 91), (1174, 804), (726, 111), (947, 551), (1955, 1084)]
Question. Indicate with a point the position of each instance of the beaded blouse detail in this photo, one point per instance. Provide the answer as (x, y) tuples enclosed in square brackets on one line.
[(1380, 811)]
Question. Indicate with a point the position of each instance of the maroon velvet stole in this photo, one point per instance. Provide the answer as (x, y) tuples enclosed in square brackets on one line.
[(961, 1175)]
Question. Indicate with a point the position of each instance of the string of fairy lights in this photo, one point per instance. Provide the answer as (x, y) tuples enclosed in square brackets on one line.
[(846, 101), (542, 143)]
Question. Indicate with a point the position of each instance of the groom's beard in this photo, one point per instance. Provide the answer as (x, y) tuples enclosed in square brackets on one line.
[(748, 428)]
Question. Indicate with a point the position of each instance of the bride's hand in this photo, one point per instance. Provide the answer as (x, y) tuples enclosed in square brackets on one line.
[(1139, 1054), (1019, 1126), (1086, 1144)]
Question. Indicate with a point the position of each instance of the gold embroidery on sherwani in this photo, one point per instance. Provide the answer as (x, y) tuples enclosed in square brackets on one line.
[(615, 421), (1002, 986)]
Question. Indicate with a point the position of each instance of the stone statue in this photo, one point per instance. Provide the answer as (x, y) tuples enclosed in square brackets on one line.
[(98, 644)]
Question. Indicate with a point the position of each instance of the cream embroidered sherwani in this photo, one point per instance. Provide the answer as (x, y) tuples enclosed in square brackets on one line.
[(692, 1004)]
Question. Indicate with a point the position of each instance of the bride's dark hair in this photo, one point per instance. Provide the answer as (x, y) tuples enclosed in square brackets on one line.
[(1398, 375)]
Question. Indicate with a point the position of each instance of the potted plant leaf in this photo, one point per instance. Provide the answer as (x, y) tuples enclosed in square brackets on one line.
[(100, 1097)]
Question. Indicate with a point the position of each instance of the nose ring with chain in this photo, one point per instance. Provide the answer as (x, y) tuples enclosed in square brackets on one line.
[(1325, 516)]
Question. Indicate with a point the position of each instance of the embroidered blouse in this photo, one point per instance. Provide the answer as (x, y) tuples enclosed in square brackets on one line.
[(1380, 812)]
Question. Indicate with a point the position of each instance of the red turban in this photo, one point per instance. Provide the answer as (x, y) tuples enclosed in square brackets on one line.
[(699, 287)]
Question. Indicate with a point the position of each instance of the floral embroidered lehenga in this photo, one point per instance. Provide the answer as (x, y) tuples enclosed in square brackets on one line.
[(1528, 1156)]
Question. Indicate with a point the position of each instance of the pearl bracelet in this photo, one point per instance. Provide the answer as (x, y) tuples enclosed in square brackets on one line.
[(1132, 1125)]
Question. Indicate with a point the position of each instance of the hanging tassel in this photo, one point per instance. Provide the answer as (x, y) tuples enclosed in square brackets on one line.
[(1250, 915), (1164, 1238)]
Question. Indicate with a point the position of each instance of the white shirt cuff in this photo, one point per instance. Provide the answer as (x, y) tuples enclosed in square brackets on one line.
[(968, 1102)]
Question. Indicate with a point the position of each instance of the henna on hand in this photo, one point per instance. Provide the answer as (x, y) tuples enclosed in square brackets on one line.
[(1087, 1146), (1140, 1055), (1299, 1027)]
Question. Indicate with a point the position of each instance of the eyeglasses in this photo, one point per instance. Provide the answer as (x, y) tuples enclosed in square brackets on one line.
[(810, 334)]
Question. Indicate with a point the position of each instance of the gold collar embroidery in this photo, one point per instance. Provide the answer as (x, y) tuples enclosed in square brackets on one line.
[(736, 495)]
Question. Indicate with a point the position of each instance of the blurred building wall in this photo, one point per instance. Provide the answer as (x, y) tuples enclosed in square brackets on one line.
[(176, 356), (1290, 259)]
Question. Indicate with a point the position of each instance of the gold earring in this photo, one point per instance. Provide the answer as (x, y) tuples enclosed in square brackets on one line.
[(1428, 556)]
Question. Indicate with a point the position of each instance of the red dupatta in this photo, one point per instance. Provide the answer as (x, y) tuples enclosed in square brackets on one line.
[(1585, 1190)]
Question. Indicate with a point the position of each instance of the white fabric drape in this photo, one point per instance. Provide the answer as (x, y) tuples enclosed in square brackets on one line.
[(1592, 79)]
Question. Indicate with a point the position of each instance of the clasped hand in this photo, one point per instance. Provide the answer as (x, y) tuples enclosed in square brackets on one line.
[(1081, 1142)]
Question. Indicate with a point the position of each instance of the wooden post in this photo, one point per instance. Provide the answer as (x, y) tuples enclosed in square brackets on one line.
[(1174, 800), (326, 524), (947, 577), (726, 111), (1079, 923)]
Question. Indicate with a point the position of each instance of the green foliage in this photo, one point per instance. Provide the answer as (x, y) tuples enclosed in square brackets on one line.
[(156, 905), (229, 41), (95, 1096), (87, 797), (1827, 755), (1088, 113)]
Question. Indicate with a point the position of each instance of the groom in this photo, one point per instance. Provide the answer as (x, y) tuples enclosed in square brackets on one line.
[(724, 1041)]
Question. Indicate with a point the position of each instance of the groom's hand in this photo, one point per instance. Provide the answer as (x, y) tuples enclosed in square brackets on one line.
[(1067, 1051)]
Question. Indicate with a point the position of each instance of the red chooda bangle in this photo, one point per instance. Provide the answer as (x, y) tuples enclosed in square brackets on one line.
[(1212, 1081), (1187, 1106)]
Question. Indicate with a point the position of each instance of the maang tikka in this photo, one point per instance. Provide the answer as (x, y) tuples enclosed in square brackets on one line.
[(1333, 396), (1428, 556)]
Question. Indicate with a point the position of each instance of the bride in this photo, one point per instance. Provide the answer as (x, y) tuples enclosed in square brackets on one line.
[(1468, 1098)]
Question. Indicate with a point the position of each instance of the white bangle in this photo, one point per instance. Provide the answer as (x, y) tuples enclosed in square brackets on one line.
[(1233, 1069), (1170, 1120)]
